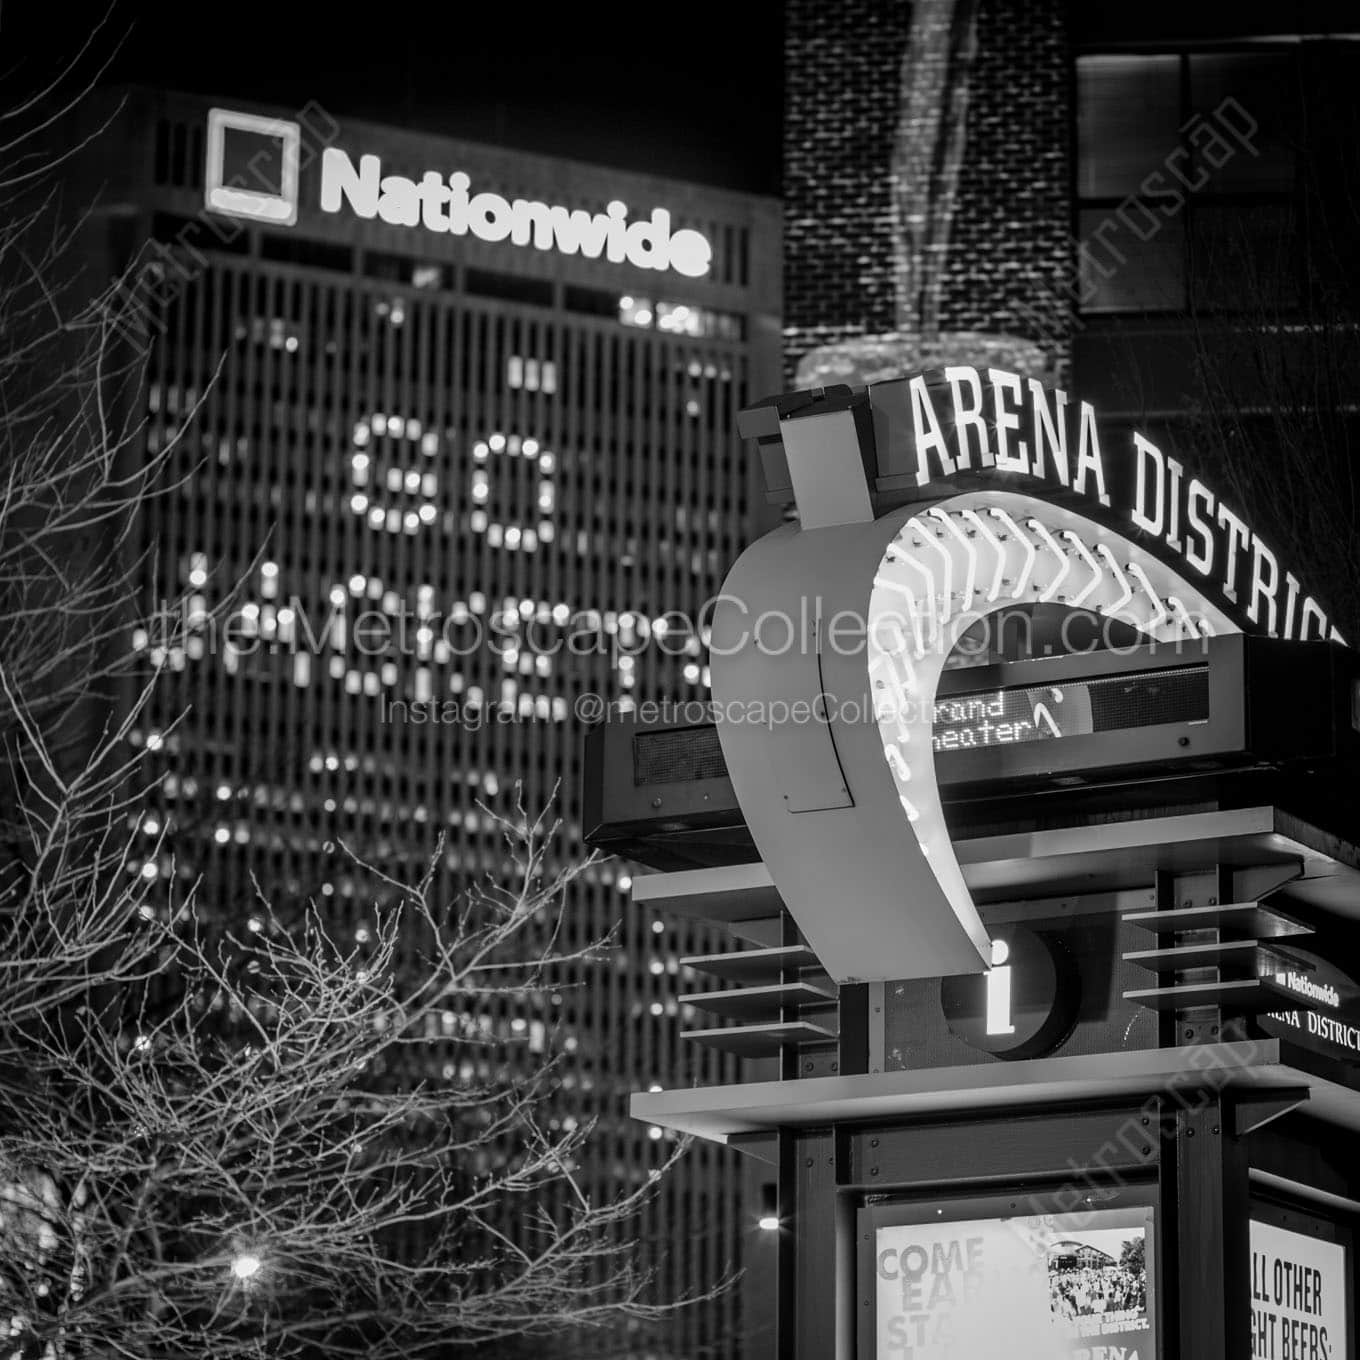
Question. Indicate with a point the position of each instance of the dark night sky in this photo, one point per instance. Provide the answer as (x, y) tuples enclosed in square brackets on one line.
[(691, 90)]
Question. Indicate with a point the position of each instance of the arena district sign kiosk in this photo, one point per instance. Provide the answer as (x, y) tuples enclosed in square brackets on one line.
[(1053, 953)]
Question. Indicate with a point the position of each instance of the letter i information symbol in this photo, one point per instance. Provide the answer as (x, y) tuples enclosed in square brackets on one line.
[(999, 991)]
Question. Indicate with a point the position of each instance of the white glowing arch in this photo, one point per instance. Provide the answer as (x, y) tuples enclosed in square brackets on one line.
[(974, 555)]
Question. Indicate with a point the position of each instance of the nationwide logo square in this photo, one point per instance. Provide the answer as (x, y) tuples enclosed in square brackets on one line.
[(238, 196)]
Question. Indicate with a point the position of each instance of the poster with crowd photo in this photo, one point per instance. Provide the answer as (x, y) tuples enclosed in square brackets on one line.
[(1298, 1296), (1049, 1287)]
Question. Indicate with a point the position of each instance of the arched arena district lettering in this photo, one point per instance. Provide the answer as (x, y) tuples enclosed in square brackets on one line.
[(926, 504)]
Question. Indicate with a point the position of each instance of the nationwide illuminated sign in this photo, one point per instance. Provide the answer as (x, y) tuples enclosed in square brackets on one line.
[(1015, 498), (1320, 993), (441, 201)]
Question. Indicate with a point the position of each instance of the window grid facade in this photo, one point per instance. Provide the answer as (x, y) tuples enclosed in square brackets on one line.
[(452, 466), (1175, 200)]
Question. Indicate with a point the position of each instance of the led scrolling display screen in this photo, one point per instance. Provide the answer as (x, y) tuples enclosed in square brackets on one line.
[(1014, 714)]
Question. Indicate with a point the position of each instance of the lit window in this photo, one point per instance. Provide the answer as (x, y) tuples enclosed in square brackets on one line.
[(635, 311), (679, 318)]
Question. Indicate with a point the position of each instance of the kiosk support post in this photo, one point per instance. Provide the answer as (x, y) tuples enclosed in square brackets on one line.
[(1210, 1186), (808, 1263)]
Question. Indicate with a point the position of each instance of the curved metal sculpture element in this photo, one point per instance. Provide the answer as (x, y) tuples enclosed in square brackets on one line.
[(831, 635), (978, 554), (827, 649)]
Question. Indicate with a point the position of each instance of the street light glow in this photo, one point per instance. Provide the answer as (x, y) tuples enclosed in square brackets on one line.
[(246, 1265), (769, 1208)]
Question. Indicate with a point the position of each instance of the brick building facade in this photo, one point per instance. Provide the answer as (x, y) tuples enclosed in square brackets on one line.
[(1011, 248)]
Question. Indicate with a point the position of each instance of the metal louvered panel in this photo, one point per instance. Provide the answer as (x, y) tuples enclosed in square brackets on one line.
[(761, 1041), (755, 965), (761, 1003), (1247, 920), (1214, 955)]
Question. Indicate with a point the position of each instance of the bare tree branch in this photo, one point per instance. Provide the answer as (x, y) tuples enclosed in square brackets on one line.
[(236, 1138)]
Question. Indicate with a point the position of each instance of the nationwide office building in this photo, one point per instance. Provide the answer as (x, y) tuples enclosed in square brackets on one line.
[(490, 397)]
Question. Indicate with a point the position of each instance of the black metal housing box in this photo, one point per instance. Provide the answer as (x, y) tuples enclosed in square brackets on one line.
[(657, 790)]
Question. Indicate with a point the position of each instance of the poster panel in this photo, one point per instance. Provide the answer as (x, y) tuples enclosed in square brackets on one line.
[(1044, 1287), (1298, 1296)]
